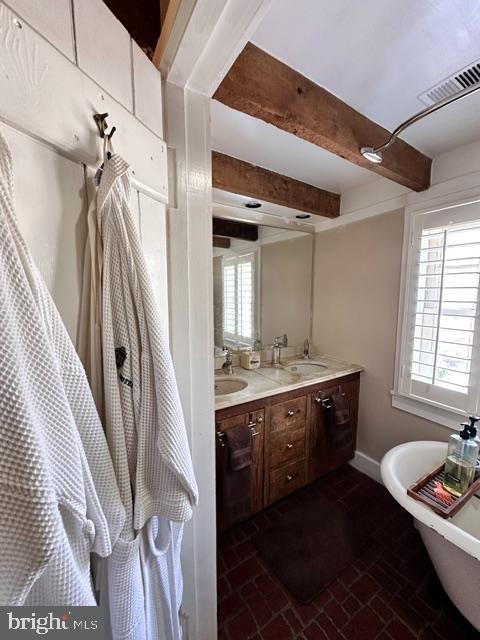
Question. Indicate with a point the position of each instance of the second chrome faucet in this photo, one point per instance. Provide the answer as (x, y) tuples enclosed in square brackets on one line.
[(280, 341)]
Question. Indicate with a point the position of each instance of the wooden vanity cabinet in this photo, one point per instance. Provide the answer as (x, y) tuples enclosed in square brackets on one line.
[(290, 442)]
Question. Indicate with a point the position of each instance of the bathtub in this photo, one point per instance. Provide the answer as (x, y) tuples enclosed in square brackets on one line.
[(453, 544)]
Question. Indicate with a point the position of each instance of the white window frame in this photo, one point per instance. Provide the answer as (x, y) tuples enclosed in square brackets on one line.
[(256, 295), (429, 409)]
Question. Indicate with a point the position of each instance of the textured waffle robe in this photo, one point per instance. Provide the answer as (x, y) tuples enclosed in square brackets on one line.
[(59, 499), (142, 415)]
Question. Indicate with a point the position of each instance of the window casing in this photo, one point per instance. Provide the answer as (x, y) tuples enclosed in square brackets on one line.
[(239, 299), (438, 354)]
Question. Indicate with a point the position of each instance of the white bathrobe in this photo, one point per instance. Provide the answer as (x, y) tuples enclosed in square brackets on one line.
[(59, 499), (143, 421)]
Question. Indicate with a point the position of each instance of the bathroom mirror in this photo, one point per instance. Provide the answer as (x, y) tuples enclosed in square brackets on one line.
[(262, 288)]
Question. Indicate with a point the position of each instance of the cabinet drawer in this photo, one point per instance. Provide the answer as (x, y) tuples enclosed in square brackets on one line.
[(286, 479), (286, 446), (290, 415)]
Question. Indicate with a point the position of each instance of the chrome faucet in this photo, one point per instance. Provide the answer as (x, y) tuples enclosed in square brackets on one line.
[(283, 339), (276, 352), (257, 345), (306, 350), (227, 366)]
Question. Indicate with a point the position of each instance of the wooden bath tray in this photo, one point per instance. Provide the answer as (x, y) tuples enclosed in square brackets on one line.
[(422, 491)]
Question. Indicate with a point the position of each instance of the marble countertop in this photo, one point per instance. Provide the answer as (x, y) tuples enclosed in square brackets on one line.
[(268, 381)]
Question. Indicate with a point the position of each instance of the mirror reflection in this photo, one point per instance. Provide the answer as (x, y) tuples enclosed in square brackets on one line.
[(262, 286)]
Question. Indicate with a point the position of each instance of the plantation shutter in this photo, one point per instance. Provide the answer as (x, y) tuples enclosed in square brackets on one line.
[(441, 351), (239, 298)]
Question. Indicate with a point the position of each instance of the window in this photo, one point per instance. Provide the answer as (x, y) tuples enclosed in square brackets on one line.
[(440, 337), (239, 276)]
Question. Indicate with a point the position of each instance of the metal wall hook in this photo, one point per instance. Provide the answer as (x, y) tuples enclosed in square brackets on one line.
[(101, 122)]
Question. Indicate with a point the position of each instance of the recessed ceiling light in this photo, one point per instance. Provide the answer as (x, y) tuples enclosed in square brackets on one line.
[(303, 216), (253, 205)]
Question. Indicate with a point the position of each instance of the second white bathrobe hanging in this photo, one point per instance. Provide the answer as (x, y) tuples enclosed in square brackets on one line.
[(144, 425)]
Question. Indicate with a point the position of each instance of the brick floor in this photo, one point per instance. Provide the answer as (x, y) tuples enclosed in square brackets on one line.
[(391, 592)]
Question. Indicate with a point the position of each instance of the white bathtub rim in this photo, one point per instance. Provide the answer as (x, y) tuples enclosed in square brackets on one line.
[(444, 527)]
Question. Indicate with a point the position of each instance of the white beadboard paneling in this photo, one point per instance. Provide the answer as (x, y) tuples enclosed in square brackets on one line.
[(147, 84), (51, 212), (153, 233), (51, 18), (103, 49), (46, 95)]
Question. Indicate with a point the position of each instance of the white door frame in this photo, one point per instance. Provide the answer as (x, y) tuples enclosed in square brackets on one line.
[(214, 32)]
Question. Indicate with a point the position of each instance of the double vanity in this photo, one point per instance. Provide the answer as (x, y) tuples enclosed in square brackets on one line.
[(288, 409), (301, 412)]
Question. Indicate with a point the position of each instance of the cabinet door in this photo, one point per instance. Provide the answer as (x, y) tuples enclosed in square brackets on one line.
[(332, 444), (350, 390), (318, 454), (257, 427), (255, 421)]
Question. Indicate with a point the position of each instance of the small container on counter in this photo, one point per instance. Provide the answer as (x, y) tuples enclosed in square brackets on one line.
[(250, 360)]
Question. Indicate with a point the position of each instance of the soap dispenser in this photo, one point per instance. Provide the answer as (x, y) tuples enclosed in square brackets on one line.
[(461, 459), (472, 429)]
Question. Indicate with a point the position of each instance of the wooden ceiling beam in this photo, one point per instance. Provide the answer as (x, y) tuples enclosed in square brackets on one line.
[(163, 10), (237, 176), (263, 87), (234, 229), (168, 20), (221, 243)]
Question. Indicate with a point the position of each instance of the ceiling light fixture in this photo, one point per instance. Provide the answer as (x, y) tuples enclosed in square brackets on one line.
[(252, 205), (375, 154), (303, 216)]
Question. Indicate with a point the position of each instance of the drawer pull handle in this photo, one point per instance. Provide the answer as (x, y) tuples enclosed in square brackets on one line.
[(289, 445), (289, 477), (291, 413), (259, 419)]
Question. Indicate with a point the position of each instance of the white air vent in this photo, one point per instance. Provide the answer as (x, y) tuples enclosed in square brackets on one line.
[(458, 81)]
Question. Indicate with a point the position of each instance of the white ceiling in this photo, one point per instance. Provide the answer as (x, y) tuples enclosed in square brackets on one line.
[(252, 140), (376, 55), (379, 55)]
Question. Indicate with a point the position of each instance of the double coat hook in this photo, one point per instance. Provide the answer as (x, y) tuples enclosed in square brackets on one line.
[(101, 122)]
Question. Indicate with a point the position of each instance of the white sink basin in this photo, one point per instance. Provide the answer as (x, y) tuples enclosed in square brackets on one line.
[(306, 368), (226, 385)]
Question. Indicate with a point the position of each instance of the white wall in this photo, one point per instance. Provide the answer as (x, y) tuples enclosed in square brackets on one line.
[(356, 293), (357, 270), (286, 290), (283, 286)]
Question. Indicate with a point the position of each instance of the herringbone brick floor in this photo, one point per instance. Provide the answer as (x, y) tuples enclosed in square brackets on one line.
[(391, 592)]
